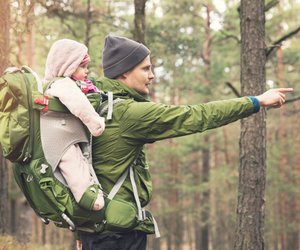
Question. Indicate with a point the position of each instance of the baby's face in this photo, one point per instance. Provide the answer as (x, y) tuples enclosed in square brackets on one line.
[(81, 72)]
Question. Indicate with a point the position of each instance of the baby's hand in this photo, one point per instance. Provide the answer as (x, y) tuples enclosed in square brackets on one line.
[(98, 126)]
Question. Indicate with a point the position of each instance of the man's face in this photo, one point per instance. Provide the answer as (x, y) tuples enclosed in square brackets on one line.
[(140, 77)]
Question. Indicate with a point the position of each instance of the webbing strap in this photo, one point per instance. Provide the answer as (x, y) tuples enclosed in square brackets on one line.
[(90, 161), (118, 185), (141, 215), (141, 211), (121, 180), (156, 230), (108, 108), (110, 105)]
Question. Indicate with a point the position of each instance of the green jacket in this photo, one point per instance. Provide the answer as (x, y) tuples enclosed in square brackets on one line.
[(137, 121)]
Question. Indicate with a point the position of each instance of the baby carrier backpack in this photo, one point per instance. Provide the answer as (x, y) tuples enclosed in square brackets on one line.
[(21, 104)]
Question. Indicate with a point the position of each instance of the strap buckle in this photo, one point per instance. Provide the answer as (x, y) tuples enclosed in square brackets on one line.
[(44, 101)]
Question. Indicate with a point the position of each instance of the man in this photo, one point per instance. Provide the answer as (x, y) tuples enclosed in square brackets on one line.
[(137, 121)]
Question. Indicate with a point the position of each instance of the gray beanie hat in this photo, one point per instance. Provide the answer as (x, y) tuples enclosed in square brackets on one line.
[(121, 54)]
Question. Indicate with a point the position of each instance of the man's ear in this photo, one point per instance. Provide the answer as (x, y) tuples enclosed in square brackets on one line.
[(122, 77), (125, 75)]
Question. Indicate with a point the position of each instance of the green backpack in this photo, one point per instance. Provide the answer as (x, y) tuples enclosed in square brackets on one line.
[(21, 104)]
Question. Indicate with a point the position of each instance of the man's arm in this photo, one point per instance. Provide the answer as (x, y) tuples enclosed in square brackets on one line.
[(148, 121)]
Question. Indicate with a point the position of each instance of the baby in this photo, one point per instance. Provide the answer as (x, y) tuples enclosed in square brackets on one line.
[(70, 59)]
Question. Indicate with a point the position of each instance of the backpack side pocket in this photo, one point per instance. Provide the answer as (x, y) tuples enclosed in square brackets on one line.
[(120, 215)]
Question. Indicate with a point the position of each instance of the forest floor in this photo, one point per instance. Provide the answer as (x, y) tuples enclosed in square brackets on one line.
[(8, 242)]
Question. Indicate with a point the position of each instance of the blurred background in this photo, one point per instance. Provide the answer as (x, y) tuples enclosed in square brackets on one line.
[(195, 47)]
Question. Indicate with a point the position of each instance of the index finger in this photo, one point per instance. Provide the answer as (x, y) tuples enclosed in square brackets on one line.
[(284, 90)]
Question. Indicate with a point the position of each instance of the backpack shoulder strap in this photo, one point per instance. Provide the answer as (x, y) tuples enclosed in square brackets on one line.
[(27, 69), (108, 107)]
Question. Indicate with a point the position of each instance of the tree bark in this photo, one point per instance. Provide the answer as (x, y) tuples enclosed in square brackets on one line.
[(88, 24), (4, 196), (4, 63), (196, 173), (139, 20), (295, 235), (30, 34), (4, 34), (252, 172), (282, 137), (205, 213), (205, 198)]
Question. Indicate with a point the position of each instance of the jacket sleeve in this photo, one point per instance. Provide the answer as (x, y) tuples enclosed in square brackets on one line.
[(72, 97), (149, 122)]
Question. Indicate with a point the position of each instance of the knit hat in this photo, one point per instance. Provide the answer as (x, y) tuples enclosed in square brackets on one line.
[(121, 54), (85, 60), (64, 57)]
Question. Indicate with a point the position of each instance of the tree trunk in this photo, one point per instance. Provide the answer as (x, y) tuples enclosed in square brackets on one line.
[(4, 63), (252, 173), (287, 203), (156, 245), (283, 159), (13, 216), (294, 243), (175, 221), (205, 196), (205, 199), (4, 196), (30, 34), (139, 20), (88, 24), (196, 170), (4, 34), (31, 47)]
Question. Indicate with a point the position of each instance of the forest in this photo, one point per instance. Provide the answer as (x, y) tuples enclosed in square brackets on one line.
[(201, 51)]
